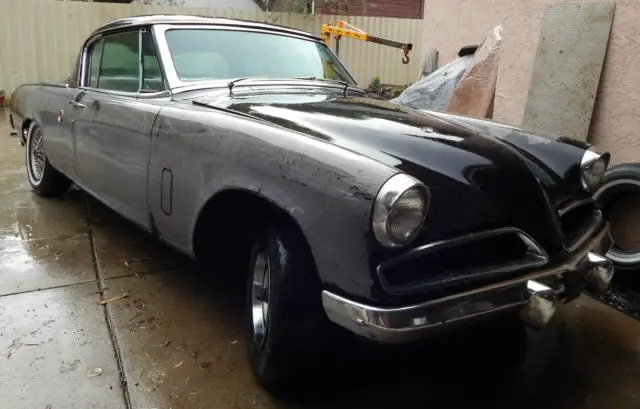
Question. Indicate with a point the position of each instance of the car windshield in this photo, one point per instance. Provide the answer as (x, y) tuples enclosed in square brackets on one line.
[(205, 54)]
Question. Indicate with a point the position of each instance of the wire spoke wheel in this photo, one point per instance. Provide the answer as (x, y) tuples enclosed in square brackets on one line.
[(260, 298), (45, 180), (37, 156)]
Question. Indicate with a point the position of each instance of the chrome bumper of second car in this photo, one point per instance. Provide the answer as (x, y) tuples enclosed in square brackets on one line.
[(535, 296)]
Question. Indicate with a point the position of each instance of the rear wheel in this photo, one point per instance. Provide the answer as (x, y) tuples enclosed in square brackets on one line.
[(285, 321), (44, 179)]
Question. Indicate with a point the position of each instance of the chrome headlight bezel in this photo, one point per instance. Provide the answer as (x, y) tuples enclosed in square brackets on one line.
[(392, 190), (593, 161)]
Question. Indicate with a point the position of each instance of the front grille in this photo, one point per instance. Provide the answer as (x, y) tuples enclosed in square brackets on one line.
[(578, 221), (459, 261)]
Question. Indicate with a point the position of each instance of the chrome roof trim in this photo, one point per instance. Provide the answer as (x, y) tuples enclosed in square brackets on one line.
[(181, 19)]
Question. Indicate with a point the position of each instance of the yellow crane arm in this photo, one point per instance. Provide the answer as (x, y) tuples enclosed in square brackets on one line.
[(341, 29)]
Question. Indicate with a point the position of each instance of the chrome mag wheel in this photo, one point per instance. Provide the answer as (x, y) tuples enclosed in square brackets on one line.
[(260, 298)]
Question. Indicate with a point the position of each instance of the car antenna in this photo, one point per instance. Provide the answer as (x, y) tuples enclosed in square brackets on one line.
[(346, 87)]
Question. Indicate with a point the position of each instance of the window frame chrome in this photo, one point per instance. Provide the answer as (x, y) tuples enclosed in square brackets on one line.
[(85, 66)]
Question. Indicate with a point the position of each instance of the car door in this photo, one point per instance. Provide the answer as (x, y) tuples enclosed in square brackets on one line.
[(56, 120), (116, 112)]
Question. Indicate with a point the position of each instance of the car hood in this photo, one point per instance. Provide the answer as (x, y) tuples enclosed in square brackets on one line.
[(481, 174)]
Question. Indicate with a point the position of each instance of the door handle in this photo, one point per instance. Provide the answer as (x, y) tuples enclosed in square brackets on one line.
[(77, 104)]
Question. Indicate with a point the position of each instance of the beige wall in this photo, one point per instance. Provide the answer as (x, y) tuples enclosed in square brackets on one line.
[(615, 125)]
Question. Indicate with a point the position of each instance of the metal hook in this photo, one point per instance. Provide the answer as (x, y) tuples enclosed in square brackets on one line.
[(405, 59)]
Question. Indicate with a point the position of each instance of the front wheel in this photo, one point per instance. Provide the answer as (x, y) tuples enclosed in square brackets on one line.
[(512, 353), (44, 179), (285, 320)]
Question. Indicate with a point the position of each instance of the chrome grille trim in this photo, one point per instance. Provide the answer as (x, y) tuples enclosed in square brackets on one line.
[(595, 221), (573, 205), (536, 256)]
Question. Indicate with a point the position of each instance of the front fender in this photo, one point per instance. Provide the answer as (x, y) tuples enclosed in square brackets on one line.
[(328, 190), (555, 160)]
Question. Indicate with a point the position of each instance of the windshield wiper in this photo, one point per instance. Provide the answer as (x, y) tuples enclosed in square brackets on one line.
[(232, 82), (346, 84)]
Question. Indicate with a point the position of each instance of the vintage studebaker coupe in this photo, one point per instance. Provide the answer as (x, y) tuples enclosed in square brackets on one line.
[(217, 135)]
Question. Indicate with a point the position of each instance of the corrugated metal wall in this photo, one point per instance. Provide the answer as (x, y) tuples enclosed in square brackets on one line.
[(40, 39), (373, 8)]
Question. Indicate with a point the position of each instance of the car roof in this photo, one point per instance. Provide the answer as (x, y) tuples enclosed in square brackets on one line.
[(178, 19)]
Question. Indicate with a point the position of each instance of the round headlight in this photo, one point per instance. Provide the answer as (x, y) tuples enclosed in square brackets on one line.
[(399, 211), (592, 169)]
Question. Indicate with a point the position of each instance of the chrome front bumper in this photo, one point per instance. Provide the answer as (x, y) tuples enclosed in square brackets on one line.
[(534, 295)]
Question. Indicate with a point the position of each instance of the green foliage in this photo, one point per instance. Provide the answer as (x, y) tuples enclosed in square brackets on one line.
[(374, 85), (395, 92), (385, 91)]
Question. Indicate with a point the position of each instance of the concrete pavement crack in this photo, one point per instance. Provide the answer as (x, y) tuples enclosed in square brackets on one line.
[(110, 326), (33, 290)]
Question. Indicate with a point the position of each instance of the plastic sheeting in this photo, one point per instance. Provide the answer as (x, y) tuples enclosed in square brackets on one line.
[(475, 92), (465, 86), (434, 91)]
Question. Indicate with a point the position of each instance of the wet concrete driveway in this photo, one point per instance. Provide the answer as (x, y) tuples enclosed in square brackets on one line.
[(175, 339)]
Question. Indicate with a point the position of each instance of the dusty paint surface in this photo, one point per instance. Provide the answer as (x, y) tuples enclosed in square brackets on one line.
[(176, 340)]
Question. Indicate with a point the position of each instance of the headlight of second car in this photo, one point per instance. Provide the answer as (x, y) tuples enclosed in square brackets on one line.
[(592, 168), (399, 210)]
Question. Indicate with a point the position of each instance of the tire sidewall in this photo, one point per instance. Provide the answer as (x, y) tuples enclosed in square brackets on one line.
[(257, 353), (620, 182), (265, 358), (294, 323)]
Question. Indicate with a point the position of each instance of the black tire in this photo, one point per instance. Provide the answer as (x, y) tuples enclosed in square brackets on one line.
[(296, 328), (517, 355), (48, 182), (620, 181)]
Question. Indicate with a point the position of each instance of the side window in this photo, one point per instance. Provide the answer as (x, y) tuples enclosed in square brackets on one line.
[(152, 79), (94, 55), (120, 69)]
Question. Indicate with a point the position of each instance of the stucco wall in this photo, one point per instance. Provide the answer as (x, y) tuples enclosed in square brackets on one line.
[(615, 125)]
